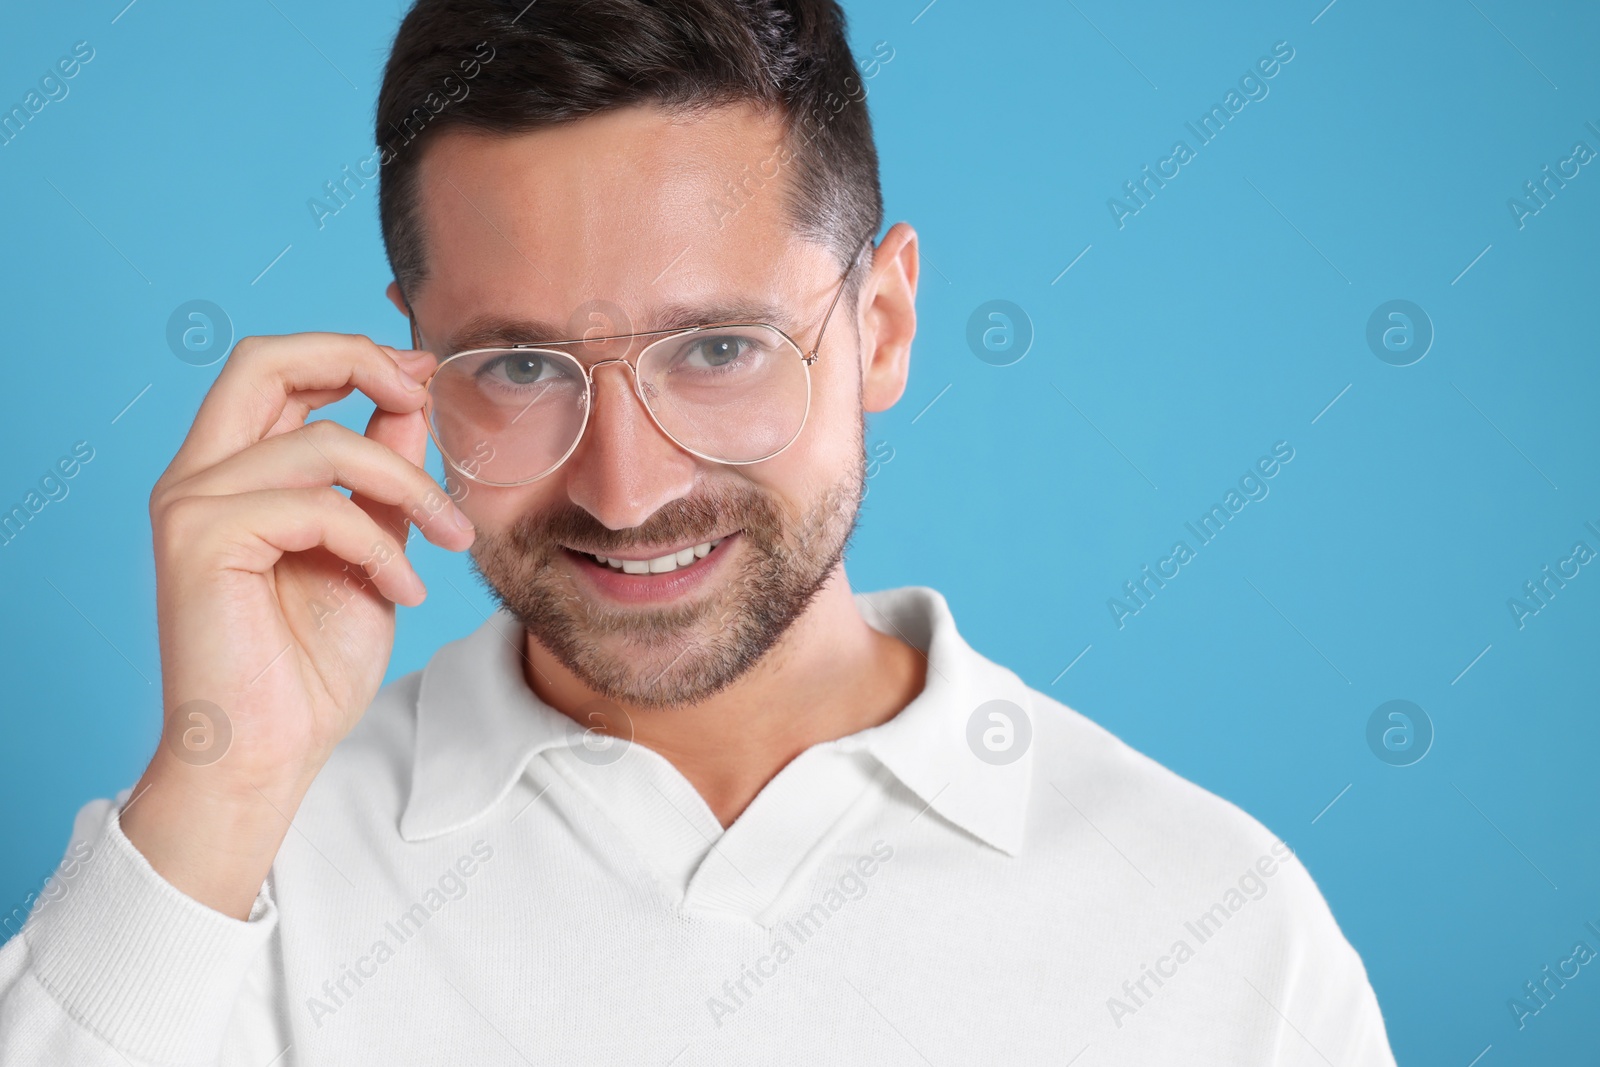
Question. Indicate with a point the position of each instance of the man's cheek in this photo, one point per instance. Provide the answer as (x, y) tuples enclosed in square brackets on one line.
[(494, 509)]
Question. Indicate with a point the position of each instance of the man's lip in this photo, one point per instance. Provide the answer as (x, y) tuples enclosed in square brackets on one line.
[(613, 584), (647, 554)]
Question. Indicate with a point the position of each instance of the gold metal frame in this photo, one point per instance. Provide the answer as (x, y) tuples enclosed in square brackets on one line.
[(550, 347)]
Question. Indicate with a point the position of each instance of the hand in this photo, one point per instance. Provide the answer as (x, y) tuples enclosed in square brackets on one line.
[(275, 594)]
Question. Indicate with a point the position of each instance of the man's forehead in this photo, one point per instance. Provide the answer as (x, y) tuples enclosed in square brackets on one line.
[(638, 178), (633, 218)]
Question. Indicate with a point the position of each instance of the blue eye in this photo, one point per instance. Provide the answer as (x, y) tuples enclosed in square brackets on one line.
[(718, 351), (518, 369), (523, 369)]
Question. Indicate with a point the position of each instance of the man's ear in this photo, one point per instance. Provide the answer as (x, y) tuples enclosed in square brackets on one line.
[(889, 318), (397, 298)]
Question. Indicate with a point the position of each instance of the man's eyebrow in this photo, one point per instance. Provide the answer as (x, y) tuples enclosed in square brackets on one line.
[(499, 331)]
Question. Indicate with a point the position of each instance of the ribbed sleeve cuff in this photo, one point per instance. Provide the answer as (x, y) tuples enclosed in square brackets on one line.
[(148, 969)]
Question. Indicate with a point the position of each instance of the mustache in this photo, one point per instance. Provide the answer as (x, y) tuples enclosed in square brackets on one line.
[(702, 517)]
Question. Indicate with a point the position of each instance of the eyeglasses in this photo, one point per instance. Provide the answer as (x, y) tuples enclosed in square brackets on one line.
[(733, 393)]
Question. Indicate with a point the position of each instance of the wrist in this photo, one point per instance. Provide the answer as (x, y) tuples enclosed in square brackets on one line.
[(211, 837)]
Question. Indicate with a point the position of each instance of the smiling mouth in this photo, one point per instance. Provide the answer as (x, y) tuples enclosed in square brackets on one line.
[(664, 564)]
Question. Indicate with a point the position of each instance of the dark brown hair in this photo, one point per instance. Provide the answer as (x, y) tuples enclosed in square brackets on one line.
[(512, 66)]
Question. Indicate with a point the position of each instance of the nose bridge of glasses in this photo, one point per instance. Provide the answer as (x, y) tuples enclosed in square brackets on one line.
[(595, 365), (627, 367), (593, 353), (624, 409), (631, 387)]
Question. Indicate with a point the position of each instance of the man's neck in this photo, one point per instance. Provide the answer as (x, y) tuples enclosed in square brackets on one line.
[(829, 676)]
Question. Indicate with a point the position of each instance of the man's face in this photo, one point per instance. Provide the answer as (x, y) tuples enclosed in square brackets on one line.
[(613, 224)]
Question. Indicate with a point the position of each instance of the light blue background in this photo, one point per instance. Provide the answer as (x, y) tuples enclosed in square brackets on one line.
[(1224, 317)]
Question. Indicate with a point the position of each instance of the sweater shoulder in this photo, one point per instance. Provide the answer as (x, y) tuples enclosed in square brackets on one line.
[(1174, 830)]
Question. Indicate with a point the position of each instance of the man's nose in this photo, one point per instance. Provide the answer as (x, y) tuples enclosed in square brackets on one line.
[(624, 468)]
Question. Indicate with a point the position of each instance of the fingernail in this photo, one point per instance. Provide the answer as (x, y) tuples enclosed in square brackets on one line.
[(462, 520)]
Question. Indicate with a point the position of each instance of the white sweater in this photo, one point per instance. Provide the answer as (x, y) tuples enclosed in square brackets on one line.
[(988, 877)]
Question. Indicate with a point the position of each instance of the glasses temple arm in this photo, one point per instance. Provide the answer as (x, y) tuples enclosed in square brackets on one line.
[(838, 293)]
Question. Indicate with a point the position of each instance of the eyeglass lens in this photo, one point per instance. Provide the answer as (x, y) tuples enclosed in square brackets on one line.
[(733, 394)]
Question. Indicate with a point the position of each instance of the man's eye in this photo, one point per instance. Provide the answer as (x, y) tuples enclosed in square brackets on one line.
[(521, 370), (717, 351)]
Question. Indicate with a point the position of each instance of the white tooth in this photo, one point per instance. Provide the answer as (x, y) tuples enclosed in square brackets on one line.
[(663, 564), (700, 550), (614, 564), (685, 557), (636, 566)]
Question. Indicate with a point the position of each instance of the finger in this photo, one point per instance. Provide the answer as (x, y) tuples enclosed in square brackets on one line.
[(324, 453), (270, 384), (418, 364), (406, 435), (253, 531), (403, 433)]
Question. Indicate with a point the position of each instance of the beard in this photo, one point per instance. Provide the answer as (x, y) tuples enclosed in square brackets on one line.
[(684, 653)]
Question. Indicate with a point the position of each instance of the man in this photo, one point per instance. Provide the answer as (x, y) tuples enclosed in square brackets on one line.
[(685, 798)]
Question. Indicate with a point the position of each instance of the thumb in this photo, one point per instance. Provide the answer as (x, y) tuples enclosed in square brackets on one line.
[(405, 433)]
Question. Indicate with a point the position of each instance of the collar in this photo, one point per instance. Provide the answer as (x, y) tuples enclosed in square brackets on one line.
[(478, 725), (928, 745)]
